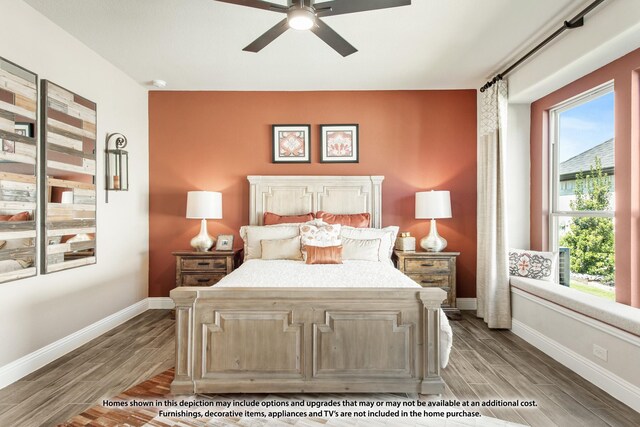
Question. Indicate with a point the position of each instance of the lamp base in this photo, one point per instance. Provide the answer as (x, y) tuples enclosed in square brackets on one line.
[(203, 241), (433, 242)]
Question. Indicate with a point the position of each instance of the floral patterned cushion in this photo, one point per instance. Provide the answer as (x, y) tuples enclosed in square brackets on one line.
[(320, 235), (532, 264)]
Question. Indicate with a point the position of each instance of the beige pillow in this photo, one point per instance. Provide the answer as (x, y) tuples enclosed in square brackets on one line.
[(387, 236), (361, 249), (281, 249), (253, 234)]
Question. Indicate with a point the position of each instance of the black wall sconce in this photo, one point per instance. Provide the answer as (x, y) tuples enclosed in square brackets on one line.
[(117, 164)]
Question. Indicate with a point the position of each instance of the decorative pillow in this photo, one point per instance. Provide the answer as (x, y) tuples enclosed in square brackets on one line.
[(320, 235), (364, 250), (386, 235), (281, 249), (532, 264), (324, 254), (270, 218), (360, 220), (253, 234)]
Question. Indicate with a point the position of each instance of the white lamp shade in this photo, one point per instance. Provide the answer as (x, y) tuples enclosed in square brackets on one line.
[(204, 205), (433, 205)]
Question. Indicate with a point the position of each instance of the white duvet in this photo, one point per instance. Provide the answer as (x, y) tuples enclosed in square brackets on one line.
[(352, 274)]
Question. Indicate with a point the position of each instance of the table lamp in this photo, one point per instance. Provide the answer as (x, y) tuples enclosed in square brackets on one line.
[(433, 205), (203, 205)]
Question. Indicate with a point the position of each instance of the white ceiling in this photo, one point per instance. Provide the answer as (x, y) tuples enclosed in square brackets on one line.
[(197, 44)]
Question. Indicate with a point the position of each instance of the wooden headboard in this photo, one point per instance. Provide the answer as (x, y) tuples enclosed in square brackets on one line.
[(295, 195)]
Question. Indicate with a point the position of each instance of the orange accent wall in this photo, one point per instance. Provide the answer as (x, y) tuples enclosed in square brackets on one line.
[(624, 73), (418, 140)]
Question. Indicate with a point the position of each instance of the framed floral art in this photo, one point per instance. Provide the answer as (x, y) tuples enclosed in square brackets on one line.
[(291, 144), (339, 144)]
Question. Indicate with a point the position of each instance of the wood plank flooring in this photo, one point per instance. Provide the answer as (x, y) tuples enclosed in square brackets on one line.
[(484, 364)]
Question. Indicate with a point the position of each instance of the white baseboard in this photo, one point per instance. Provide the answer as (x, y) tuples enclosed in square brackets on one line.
[(31, 362), (618, 387), (160, 303), (466, 303)]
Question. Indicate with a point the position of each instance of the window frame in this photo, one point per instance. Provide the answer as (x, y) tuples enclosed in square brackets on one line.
[(554, 179)]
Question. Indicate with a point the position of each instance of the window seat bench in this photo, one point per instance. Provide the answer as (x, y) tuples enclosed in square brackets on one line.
[(596, 338), (614, 314)]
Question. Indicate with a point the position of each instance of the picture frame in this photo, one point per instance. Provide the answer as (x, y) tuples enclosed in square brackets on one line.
[(339, 143), (24, 129), (291, 143), (224, 242)]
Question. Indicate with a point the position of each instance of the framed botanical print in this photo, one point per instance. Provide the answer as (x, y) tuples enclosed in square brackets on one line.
[(339, 144), (291, 144)]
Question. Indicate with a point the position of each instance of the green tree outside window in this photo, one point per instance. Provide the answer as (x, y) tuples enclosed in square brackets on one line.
[(591, 239)]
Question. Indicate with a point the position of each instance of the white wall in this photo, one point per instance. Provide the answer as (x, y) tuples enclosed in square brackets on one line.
[(40, 310)]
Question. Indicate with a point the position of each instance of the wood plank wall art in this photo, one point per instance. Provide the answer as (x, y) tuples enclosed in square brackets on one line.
[(18, 167), (69, 179)]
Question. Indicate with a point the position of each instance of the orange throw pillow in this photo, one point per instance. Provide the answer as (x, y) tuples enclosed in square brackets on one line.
[(360, 220), (324, 255), (270, 218)]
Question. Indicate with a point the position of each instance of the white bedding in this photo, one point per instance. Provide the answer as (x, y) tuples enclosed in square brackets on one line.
[(297, 274), (351, 274)]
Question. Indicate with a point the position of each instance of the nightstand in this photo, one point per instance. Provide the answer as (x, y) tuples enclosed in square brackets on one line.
[(432, 269), (205, 268)]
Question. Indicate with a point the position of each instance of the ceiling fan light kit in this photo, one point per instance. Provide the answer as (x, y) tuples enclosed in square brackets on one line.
[(301, 18), (305, 15)]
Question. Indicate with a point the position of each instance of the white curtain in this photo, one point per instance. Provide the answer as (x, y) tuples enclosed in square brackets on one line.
[(493, 298)]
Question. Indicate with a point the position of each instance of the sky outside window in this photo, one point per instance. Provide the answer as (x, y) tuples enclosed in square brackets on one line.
[(585, 126)]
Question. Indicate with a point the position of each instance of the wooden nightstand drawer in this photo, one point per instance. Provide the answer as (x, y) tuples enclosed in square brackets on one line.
[(429, 266), (205, 268), (207, 264), (431, 270), (431, 280), (200, 279)]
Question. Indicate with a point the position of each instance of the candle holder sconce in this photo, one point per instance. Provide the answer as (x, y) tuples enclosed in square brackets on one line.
[(117, 164)]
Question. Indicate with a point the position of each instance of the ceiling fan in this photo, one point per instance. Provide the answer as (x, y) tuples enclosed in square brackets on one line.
[(306, 14)]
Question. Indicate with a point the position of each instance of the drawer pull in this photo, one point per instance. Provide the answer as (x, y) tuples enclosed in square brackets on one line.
[(203, 280), (203, 263), (430, 281), (427, 264)]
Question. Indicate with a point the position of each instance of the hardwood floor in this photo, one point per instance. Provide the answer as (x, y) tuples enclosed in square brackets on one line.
[(484, 365), (129, 354)]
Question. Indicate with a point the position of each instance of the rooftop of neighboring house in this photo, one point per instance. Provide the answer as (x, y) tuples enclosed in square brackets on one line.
[(583, 161)]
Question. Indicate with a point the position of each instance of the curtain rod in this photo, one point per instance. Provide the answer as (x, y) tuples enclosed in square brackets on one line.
[(575, 22)]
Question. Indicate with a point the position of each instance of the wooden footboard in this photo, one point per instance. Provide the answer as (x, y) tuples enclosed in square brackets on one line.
[(267, 340)]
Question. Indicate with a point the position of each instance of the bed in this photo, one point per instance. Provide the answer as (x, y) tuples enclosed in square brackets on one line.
[(275, 326)]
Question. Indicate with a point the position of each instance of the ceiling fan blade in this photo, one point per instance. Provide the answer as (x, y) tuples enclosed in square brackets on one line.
[(269, 36), (340, 7), (333, 39), (258, 4)]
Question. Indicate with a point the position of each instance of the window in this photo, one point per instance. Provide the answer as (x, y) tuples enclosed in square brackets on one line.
[(583, 192)]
